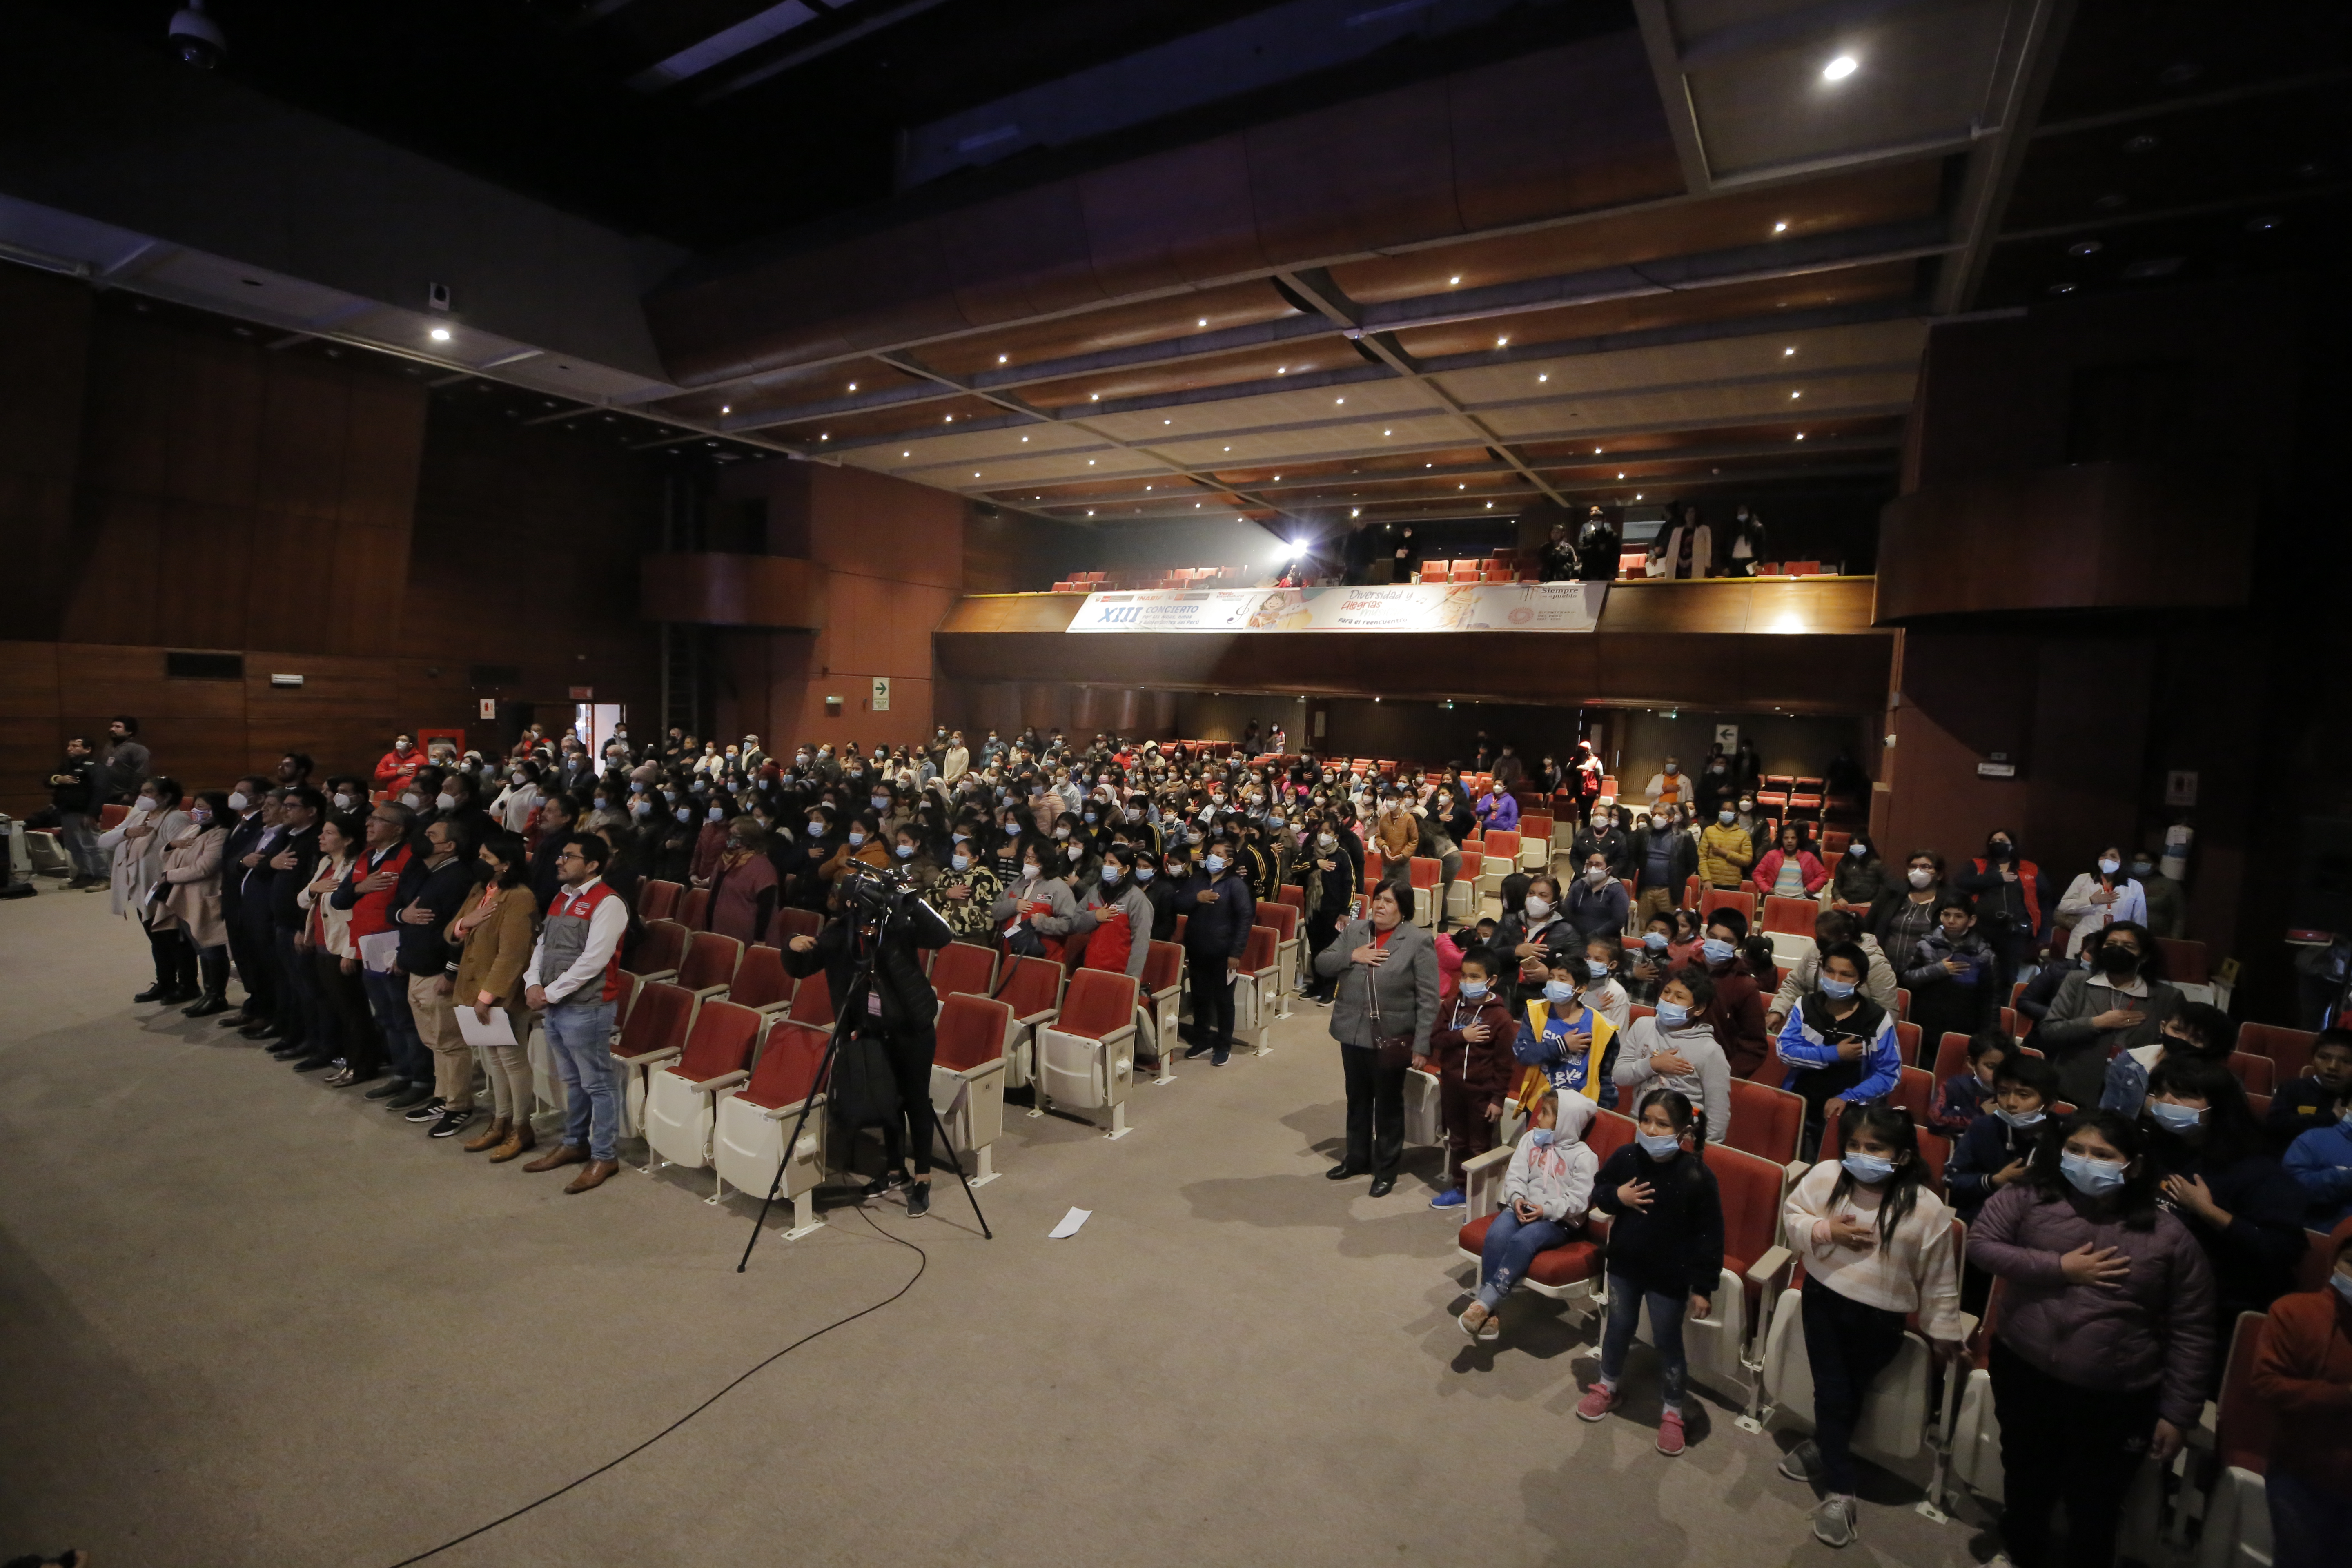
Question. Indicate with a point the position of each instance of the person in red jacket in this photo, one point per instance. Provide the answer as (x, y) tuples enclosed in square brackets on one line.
[(1470, 1052), (1736, 1014), (397, 767), (2303, 1372)]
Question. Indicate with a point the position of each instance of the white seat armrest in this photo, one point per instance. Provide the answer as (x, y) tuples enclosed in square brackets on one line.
[(706, 992), (985, 1070), (1796, 1169), (651, 976), (1033, 1019), (651, 1058), (786, 1112), (713, 1085), (1775, 1260)]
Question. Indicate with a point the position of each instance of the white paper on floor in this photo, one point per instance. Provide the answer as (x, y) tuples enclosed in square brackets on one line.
[(1070, 1223)]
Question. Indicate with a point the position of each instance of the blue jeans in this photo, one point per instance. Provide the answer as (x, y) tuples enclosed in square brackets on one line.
[(1510, 1248), (80, 844), (580, 1051), (387, 997), (1625, 1299)]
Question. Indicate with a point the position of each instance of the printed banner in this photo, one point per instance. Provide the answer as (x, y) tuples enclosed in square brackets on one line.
[(1404, 607)]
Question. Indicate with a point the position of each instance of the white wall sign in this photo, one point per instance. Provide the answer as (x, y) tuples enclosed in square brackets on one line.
[(881, 694), (487, 707), (2179, 787), (1727, 737)]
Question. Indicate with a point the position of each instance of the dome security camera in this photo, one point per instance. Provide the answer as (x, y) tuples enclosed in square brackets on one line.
[(196, 38)]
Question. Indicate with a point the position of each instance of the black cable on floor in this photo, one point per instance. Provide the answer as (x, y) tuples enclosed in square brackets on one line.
[(746, 1377)]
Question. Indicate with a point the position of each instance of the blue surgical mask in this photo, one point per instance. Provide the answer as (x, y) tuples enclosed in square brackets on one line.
[(1598, 967), (1559, 993), (1109, 874), (2176, 1118), (1868, 1168), (1213, 863), (856, 837), (1719, 951), (1144, 873), (961, 862), (1660, 1146), (1838, 989), (1673, 1015), (906, 851), (1475, 990), (1542, 1137), (2091, 1178), (2343, 1284), (2021, 1119), (1655, 940)]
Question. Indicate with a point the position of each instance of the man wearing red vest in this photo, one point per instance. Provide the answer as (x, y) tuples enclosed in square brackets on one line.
[(574, 979)]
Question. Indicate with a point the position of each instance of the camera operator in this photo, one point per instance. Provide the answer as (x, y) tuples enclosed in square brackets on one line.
[(883, 919)]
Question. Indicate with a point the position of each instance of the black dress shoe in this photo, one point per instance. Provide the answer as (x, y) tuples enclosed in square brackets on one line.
[(415, 1095), (241, 1019), (287, 1050), (1383, 1185), (155, 993), (265, 1030), (179, 994), (388, 1087), (1342, 1172), (208, 1007)]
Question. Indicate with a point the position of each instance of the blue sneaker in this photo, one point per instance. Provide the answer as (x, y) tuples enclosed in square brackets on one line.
[(1451, 1198)]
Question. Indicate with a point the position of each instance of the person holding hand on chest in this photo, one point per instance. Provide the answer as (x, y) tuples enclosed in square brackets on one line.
[(1566, 1043), (1218, 912), (1840, 1045), (1383, 1015), (1471, 1055)]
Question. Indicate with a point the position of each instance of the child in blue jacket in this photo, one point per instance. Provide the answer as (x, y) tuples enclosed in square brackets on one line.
[(1839, 1045)]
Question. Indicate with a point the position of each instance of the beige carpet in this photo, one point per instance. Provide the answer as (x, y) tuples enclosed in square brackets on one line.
[(247, 1320)]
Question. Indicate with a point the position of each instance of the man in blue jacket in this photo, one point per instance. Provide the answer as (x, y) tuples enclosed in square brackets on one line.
[(1218, 912)]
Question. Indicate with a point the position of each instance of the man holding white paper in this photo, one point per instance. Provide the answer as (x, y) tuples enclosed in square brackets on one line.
[(574, 976)]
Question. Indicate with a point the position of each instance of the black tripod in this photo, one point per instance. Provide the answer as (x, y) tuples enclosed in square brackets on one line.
[(859, 984)]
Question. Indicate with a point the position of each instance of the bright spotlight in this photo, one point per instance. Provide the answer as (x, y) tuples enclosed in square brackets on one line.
[(1839, 68)]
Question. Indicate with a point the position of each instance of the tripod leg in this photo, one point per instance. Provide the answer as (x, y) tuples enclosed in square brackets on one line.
[(784, 1157), (955, 1164)]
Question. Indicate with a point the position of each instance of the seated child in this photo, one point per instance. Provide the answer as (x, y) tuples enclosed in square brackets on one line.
[(1967, 1094), (1573, 1048), (2320, 1097), (2196, 1028), (1545, 1194)]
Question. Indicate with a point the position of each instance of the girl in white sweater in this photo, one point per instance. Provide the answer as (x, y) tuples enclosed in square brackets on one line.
[(1876, 1245)]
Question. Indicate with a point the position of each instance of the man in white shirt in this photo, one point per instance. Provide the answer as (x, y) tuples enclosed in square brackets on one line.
[(575, 979)]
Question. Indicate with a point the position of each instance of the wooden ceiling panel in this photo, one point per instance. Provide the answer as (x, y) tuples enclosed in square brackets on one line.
[(1821, 207), (1702, 405), (1404, 432), (1122, 326), (1545, 453), (1082, 492), (1397, 464), (921, 419), (1305, 407), (1272, 364), (1679, 308), (1795, 355)]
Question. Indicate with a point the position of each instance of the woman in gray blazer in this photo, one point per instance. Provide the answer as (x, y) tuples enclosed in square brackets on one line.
[(1382, 1015), (2122, 1000)]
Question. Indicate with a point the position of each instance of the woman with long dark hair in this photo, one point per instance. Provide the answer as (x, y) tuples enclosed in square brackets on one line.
[(494, 930), (2214, 1166), (2104, 1347), (1876, 1244)]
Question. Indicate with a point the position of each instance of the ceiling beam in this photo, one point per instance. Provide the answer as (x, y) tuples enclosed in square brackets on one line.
[(2020, 83), (1763, 262), (1665, 52)]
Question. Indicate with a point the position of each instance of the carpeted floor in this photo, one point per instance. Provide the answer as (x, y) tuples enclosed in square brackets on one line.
[(247, 1319)]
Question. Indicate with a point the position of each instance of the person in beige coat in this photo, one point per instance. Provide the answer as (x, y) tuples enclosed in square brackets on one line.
[(494, 932), (135, 846), (184, 925)]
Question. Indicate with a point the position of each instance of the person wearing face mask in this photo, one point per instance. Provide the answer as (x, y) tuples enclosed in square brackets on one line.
[(1330, 879), (1858, 878), (135, 844), (2012, 897), (1725, 850), (1398, 830), (1950, 978), (1876, 1244), (1596, 904), (1470, 1057), (2194, 1029), (1675, 1048), (1498, 809), (2215, 1170), (1604, 993), (1546, 1192), (708, 815), (1736, 1014), (967, 891), (1120, 912), (184, 925), (1996, 1150), (1218, 910), (1650, 966), (1383, 1014), (2103, 1350), (2099, 899), (1716, 790), (1564, 1043), (1531, 929), (1901, 918), (2303, 1375), (862, 844), (513, 808), (397, 768), (1663, 860), (1790, 869), (2102, 1012), (455, 800), (1840, 1045), (1665, 1250), (1668, 786), (1601, 836), (744, 888), (1036, 911)]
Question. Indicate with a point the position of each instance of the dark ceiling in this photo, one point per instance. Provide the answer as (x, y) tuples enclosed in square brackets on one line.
[(552, 98)]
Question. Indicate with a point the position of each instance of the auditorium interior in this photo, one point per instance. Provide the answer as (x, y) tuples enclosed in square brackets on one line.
[(1900, 423)]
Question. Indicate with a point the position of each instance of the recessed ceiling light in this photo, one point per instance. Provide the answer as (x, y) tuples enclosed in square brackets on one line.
[(1462, 487), (1229, 449), (1779, 228), (440, 334), (1490, 506), (823, 437), (1839, 68), (950, 419), (975, 473), (1355, 511), (1147, 490), (1277, 476), (1801, 435), (1090, 512), (1090, 462), (1168, 422), (905, 453), (1796, 394), (1637, 495), (1544, 377), (1502, 342), (1621, 476), (2146, 142), (2062, 287), (1384, 433), (726, 408), (853, 387), (1786, 352), (1338, 400), (1203, 322), (1456, 279), (1025, 440), (2086, 247)]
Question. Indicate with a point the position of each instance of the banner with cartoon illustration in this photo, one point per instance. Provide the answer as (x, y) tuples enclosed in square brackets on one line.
[(1404, 607)]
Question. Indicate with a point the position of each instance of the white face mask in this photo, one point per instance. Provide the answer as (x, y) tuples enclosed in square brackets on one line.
[(1538, 908), (1922, 878), (445, 801), (2109, 866), (342, 800), (238, 802), (410, 799)]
